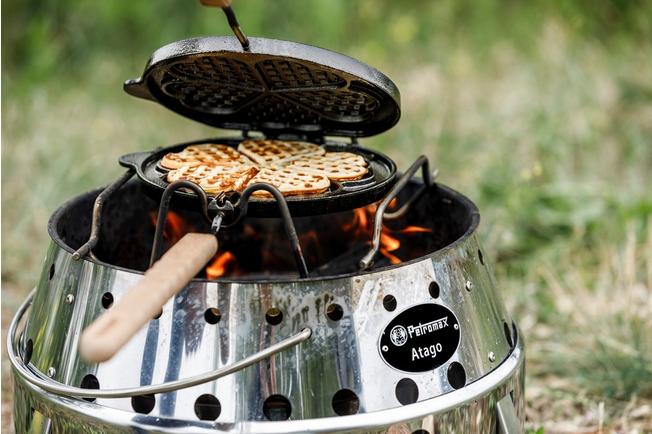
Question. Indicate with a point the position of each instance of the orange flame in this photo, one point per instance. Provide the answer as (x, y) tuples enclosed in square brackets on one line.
[(220, 265), (388, 242), (175, 226), (360, 222), (413, 230), (392, 259), (361, 225)]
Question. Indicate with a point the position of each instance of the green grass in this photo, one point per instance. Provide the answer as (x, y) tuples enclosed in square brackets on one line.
[(540, 112)]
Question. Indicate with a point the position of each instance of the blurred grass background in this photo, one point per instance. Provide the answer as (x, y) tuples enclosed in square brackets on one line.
[(540, 111)]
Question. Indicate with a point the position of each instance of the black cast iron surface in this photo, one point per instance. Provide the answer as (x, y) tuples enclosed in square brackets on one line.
[(341, 195), (276, 87)]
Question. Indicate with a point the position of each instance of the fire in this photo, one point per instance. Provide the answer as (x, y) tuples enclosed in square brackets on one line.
[(358, 230), (220, 265), (362, 224), (388, 242), (392, 258), (414, 230), (175, 227)]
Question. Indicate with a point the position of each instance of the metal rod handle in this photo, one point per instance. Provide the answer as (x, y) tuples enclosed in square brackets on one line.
[(235, 27), (96, 223), (225, 5), (216, 3), (421, 162), (33, 376), (290, 230), (164, 208)]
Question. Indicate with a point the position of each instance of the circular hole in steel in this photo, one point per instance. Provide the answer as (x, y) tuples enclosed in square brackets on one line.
[(407, 391), (508, 335), (334, 312), (207, 407), (27, 353), (456, 375), (51, 273), (277, 407), (345, 402), (389, 303), (90, 381), (514, 334), (420, 431), (433, 289), (212, 315), (274, 316), (143, 404), (480, 257), (107, 300)]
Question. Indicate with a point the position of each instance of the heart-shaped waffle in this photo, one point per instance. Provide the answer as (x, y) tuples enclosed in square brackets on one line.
[(205, 153), (268, 152), (215, 179), (337, 166)]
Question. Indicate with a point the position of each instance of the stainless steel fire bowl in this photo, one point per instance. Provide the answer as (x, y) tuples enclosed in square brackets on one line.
[(425, 346)]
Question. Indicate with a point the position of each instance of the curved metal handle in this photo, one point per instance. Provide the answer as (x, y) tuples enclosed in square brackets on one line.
[(35, 377), (96, 223), (290, 230), (421, 162)]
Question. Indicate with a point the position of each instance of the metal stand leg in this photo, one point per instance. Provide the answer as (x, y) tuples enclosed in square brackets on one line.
[(508, 422)]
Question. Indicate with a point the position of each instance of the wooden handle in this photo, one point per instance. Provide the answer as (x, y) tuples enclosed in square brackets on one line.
[(111, 331), (216, 3)]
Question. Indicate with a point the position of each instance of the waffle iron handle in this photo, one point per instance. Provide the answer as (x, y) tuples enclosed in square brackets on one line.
[(225, 5), (216, 3), (112, 330)]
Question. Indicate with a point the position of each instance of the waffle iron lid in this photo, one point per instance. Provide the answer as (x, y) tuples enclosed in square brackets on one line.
[(277, 87)]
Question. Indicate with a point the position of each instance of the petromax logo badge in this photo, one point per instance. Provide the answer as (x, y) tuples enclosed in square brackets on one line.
[(398, 335), (420, 338)]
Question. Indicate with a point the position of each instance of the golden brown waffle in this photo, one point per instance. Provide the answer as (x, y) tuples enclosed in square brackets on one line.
[(295, 168), (267, 152), (215, 179), (337, 166), (206, 153), (291, 182)]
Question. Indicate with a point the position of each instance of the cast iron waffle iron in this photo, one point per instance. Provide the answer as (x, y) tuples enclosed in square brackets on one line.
[(283, 90)]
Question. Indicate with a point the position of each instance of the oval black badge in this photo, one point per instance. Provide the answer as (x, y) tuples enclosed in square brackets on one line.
[(421, 338)]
